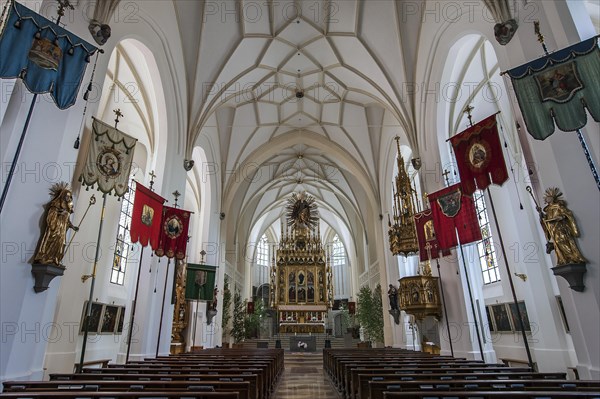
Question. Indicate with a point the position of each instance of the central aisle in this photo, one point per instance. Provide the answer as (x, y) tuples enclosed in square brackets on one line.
[(304, 378)]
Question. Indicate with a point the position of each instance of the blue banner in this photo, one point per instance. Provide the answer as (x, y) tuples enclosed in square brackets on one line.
[(47, 57), (558, 88)]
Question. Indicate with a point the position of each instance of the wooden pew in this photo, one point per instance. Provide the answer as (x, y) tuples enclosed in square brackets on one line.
[(377, 388), (271, 370), (265, 383), (332, 358), (361, 382), (272, 355), (491, 395), (267, 369), (121, 395), (99, 362), (240, 374), (217, 385), (427, 369), (257, 390)]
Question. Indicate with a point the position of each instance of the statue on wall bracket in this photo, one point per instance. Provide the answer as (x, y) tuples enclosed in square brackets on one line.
[(561, 231), (52, 246)]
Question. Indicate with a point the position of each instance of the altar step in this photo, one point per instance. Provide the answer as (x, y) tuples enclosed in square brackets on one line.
[(336, 342)]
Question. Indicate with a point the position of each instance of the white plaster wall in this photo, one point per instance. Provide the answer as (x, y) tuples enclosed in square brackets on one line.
[(26, 316)]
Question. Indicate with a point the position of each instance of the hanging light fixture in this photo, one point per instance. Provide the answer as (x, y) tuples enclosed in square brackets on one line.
[(402, 231)]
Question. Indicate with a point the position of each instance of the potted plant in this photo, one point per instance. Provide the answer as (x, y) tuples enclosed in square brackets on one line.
[(345, 315), (377, 316), (226, 313), (238, 331), (370, 313), (252, 321)]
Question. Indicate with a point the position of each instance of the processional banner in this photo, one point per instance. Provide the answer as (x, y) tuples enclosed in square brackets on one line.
[(47, 57), (558, 87), (429, 247), (109, 157), (146, 216), (200, 282), (173, 236), (479, 155), (454, 213)]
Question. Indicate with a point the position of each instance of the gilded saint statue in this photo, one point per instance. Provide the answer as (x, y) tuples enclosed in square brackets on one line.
[(52, 245), (561, 229)]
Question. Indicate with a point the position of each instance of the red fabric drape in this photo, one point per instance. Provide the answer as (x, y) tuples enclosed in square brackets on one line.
[(426, 235), (173, 233), (146, 216), (479, 155), (464, 221)]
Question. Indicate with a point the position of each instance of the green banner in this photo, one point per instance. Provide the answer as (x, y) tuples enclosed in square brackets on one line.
[(557, 88), (200, 282)]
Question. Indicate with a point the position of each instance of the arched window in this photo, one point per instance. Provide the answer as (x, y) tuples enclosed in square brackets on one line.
[(339, 263), (261, 263), (123, 244), (485, 247), (262, 251)]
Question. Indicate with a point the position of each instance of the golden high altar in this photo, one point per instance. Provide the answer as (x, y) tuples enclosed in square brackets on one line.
[(301, 278)]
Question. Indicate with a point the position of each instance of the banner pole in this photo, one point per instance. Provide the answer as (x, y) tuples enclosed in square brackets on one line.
[(512, 285), (464, 262), (195, 322), (162, 309), (445, 310), (135, 300), (88, 311), (588, 157), (13, 165)]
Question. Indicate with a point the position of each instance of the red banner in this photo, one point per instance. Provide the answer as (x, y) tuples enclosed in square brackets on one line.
[(454, 212), (250, 308), (173, 233), (146, 216), (479, 155), (429, 247)]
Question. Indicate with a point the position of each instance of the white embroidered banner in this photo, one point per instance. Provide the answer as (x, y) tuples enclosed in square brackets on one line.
[(109, 158)]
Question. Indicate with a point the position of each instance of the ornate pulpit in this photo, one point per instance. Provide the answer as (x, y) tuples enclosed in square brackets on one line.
[(419, 296)]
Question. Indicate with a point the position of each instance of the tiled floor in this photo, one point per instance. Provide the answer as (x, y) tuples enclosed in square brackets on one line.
[(304, 378)]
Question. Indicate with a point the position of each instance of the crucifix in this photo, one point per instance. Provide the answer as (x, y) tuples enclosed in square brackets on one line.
[(152, 176), (202, 254), (62, 4), (118, 114), (468, 110), (176, 194), (445, 174)]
